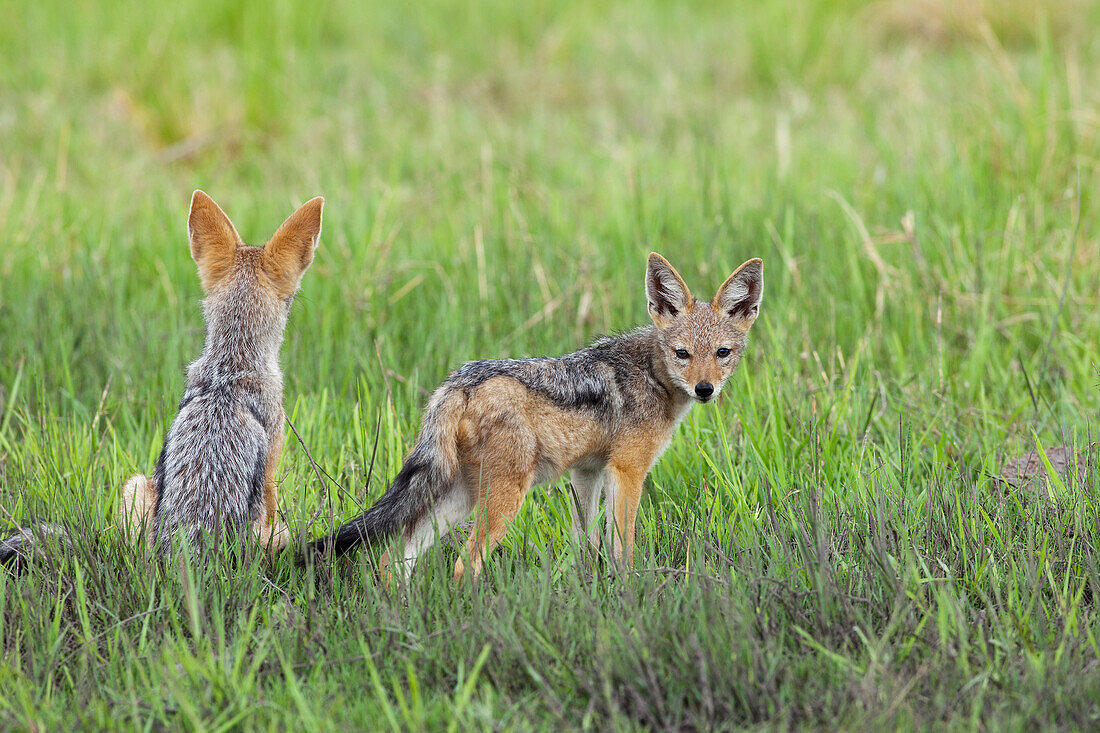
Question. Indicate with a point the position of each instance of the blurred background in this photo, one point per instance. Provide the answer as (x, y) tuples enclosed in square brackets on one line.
[(495, 174)]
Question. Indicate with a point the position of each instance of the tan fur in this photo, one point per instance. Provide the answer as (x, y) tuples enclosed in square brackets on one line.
[(139, 500), (214, 240), (289, 252), (273, 535)]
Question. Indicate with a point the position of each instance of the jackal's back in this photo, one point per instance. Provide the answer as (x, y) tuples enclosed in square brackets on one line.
[(614, 378), (211, 472)]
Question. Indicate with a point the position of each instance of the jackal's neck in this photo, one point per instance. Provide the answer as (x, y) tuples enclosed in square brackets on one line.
[(643, 347), (240, 345), (649, 336)]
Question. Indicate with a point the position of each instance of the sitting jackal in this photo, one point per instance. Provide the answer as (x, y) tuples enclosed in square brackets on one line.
[(215, 475), (605, 414), (214, 480)]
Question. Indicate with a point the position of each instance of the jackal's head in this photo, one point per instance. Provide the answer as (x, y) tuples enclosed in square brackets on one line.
[(700, 342), (249, 289)]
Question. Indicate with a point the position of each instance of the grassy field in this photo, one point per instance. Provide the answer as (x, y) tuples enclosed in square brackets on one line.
[(828, 547)]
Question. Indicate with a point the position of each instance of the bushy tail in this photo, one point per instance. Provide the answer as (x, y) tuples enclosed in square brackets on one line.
[(18, 547), (428, 471)]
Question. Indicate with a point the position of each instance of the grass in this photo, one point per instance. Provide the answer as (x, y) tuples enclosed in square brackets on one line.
[(829, 547)]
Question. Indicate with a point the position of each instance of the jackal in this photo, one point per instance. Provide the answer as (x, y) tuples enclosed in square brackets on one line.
[(215, 474), (604, 413)]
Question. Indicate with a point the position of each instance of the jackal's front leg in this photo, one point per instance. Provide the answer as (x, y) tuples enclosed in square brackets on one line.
[(272, 533), (585, 488), (624, 491)]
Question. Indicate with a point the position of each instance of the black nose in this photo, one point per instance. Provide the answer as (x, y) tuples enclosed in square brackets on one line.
[(704, 389)]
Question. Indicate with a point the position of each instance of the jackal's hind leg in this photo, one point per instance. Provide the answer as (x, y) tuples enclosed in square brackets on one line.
[(498, 508), (136, 509), (452, 508)]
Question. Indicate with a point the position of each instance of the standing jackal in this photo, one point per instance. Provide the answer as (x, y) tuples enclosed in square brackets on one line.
[(215, 474), (604, 413)]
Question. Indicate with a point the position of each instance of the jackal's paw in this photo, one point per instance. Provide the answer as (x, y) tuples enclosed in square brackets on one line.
[(135, 511)]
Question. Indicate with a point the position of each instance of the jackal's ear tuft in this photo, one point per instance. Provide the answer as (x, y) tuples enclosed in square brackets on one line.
[(290, 250), (213, 237), (665, 290), (739, 296)]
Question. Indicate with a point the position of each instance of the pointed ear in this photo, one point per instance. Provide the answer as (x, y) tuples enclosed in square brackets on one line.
[(214, 239), (290, 250), (665, 290), (739, 296)]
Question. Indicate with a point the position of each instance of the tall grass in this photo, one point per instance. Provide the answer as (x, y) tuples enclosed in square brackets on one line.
[(830, 546)]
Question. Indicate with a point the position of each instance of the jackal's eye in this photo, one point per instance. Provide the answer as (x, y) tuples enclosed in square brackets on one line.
[(722, 353), (682, 354)]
